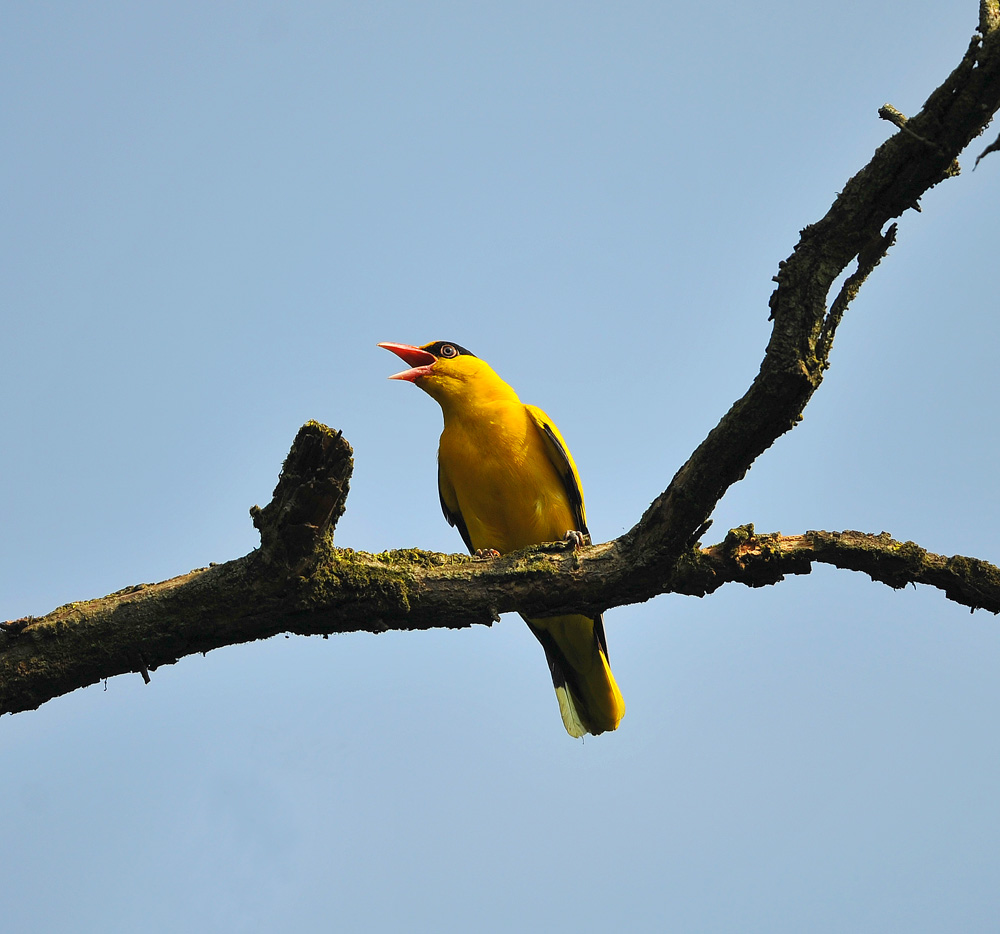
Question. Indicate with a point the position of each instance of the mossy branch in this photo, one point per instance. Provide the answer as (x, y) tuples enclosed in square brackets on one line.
[(758, 560), (141, 628), (299, 582)]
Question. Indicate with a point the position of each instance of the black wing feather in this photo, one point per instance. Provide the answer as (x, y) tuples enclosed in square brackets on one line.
[(565, 468), (455, 518), (575, 495)]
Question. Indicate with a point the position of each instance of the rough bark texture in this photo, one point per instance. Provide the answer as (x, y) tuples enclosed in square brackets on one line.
[(298, 581)]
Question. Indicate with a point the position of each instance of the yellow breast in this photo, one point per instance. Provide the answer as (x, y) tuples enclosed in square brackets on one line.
[(506, 488)]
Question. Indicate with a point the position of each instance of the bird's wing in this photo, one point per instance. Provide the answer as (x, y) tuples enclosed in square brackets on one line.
[(449, 506), (562, 460)]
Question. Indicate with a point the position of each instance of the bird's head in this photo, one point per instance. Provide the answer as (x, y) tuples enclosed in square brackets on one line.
[(448, 372)]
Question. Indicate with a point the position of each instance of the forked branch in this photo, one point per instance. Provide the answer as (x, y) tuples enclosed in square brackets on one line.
[(298, 581)]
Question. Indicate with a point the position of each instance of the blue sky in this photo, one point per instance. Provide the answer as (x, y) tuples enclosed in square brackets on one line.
[(210, 215)]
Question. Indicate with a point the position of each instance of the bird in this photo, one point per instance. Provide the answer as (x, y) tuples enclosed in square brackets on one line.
[(507, 480)]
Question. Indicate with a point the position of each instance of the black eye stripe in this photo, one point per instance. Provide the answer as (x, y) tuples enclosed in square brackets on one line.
[(447, 349)]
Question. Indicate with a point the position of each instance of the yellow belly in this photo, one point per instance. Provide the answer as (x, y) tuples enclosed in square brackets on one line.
[(508, 492)]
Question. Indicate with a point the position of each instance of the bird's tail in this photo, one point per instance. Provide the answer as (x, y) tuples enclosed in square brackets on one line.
[(576, 650)]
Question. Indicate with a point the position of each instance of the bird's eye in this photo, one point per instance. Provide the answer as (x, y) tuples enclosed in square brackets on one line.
[(447, 350)]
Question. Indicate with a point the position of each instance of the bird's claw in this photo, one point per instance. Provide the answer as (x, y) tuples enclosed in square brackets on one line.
[(485, 554), (575, 539)]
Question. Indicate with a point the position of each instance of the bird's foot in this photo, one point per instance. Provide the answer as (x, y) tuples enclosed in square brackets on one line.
[(486, 554), (575, 539)]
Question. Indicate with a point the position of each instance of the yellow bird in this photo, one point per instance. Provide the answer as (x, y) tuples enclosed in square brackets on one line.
[(507, 480)]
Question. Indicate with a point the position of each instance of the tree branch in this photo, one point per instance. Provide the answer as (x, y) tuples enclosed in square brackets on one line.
[(297, 581), (141, 628), (309, 499), (759, 560), (916, 158)]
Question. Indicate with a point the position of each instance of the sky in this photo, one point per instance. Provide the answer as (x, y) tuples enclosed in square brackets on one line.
[(211, 213)]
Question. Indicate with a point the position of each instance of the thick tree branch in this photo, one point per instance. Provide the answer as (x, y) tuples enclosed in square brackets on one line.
[(141, 628), (299, 582), (916, 158)]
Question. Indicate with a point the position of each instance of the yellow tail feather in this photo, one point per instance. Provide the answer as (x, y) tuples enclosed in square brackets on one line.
[(570, 715), (589, 698)]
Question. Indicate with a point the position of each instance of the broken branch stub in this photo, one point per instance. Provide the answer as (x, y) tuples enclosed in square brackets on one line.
[(309, 498)]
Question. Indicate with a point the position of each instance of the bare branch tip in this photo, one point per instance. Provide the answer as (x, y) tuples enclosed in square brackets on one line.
[(993, 147), (888, 112)]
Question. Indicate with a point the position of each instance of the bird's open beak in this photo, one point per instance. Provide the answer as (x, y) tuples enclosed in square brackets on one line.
[(420, 361)]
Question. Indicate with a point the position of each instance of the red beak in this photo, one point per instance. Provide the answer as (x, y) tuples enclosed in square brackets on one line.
[(420, 361)]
